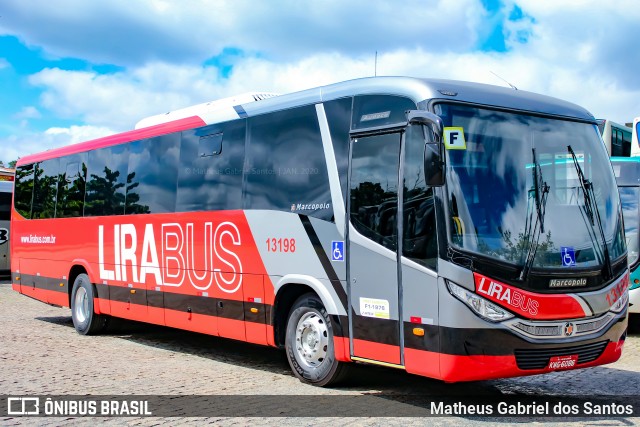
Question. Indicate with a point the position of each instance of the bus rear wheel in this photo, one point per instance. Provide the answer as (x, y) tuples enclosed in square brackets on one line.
[(309, 343), (85, 320)]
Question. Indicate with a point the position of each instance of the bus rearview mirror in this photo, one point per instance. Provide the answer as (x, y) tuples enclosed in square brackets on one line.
[(434, 155)]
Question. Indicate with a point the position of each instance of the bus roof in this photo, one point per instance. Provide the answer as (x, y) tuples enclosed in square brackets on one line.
[(416, 89)]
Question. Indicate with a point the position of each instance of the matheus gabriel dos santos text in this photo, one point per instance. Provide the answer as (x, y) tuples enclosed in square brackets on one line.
[(531, 408)]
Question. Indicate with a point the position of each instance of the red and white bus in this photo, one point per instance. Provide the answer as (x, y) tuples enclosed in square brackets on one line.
[(454, 230)]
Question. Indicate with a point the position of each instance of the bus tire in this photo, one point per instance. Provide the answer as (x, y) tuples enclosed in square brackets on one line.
[(309, 343), (85, 320)]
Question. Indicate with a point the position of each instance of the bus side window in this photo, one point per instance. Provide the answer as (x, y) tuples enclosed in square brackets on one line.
[(339, 118), (106, 181), (210, 167), (71, 186), (286, 168), (152, 175), (24, 190), (378, 110), (45, 189), (374, 188), (419, 220)]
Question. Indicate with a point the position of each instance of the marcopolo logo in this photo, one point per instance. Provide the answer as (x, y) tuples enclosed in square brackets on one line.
[(569, 328), (568, 283), (309, 206), (4, 235)]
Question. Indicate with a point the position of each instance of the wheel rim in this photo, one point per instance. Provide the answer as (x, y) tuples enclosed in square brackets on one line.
[(312, 340), (81, 305)]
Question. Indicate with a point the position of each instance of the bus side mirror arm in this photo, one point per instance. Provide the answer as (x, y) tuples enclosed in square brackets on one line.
[(434, 154)]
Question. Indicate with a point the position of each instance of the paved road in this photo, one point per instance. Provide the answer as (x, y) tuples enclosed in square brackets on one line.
[(41, 354)]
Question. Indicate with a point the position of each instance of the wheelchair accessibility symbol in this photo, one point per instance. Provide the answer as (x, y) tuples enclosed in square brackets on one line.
[(337, 250), (568, 256)]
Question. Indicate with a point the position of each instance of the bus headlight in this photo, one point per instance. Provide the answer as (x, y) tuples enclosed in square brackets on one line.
[(482, 307), (621, 303)]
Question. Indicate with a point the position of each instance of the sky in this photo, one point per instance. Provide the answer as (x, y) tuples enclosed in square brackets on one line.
[(74, 70)]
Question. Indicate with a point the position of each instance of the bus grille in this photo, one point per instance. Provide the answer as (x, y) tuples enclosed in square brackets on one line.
[(539, 358)]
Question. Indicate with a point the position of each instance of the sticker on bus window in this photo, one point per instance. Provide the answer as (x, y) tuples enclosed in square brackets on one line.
[(568, 256), (454, 138)]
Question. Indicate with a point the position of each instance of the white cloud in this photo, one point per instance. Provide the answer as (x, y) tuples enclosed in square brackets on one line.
[(117, 101), (15, 146), (134, 33), (29, 112)]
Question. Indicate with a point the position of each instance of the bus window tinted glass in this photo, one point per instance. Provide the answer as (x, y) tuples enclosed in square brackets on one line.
[(71, 186), (152, 175), (45, 189), (629, 196), (286, 168), (106, 181), (5, 206), (419, 220), (378, 110), (211, 182), (374, 188), (24, 190), (339, 118)]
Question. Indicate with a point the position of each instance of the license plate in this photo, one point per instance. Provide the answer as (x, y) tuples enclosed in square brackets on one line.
[(563, 362)]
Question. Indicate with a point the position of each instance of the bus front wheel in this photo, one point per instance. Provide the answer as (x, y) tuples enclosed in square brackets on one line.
[(85, 320), (309, 343)]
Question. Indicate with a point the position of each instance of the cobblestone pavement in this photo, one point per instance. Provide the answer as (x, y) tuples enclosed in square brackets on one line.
[(41, 354)]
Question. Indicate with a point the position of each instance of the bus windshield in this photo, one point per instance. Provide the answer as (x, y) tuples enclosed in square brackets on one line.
[(515, 173)]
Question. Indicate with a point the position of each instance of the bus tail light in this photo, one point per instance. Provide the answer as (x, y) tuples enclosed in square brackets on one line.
[(482, 307)]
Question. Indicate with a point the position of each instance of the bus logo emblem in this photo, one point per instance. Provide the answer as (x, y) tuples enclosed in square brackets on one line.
[(337, 250), (568, 329), (568, 256)]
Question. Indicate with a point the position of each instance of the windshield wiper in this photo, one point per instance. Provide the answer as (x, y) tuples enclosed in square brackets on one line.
[(540, 193), (591, 209)]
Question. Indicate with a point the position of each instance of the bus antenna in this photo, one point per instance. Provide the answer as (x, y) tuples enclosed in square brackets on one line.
[(512, 86), (375, 66)]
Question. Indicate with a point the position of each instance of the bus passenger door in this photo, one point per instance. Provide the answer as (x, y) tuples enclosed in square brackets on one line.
[(372, 251)]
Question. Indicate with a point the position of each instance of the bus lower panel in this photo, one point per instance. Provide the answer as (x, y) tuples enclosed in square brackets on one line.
[(483, 354), (54, 297), (454, 368)]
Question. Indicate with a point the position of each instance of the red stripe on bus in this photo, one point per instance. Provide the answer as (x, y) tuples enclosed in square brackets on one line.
[(528, 304), (341, 349), (119, 138), (45, 295), (422, 362), (376, 351)]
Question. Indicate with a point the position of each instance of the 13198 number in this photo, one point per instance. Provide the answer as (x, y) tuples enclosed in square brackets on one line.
[(281, 245)]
